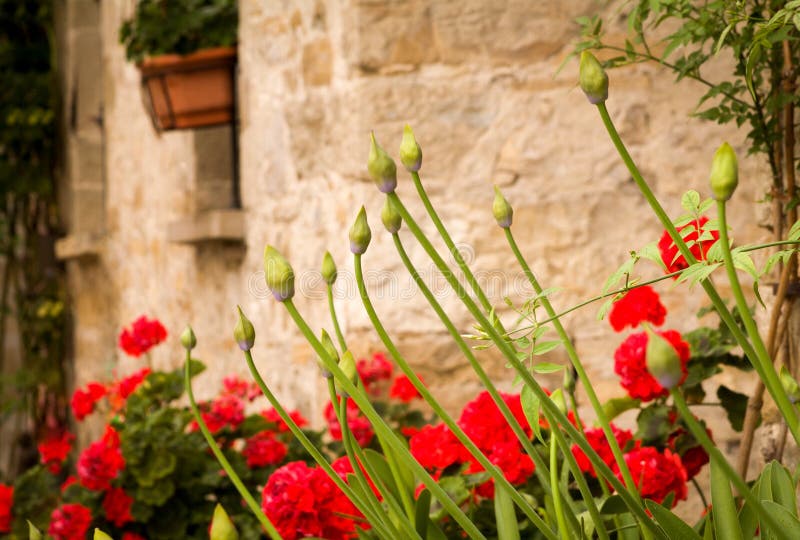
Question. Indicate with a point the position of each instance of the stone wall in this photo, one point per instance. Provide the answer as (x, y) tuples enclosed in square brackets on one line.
[(479, 82)]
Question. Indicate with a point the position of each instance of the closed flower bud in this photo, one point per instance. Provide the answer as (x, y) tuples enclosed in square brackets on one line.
[(348, 365), (790, 385), (724, 173), (330, 348), (410, 152), (244, 333), (381, 167), (503, 213), (557, 397), (662, 361), (329, 271), (188, 339), (360, 234), (221, 526), (33, 532), (593, 78), (391, 217), (100, 535), (278, 274)]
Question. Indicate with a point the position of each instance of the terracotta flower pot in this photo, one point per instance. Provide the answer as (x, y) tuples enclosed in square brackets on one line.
[(195, 90)]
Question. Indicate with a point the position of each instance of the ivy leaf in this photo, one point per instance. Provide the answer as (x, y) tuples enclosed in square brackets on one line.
[(735, 405)]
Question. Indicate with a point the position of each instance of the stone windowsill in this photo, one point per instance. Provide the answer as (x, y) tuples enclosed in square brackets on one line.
[(209, 226), (79, 245)]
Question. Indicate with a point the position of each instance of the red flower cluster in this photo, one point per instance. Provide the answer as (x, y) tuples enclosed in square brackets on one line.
[(117, 506), (656, 474), (693, 457), (271, 415), (669, 251), (55, 449), (630, 365), (374, 371), (637, 306), (598, 441), (302, 501), (100, 463), (357, 422), (226, 410), (436, 448), (119, 391), (70, 522), (263, 450), (83, 401), (240, 388), (403, 390), (6, 504), (142, 336)]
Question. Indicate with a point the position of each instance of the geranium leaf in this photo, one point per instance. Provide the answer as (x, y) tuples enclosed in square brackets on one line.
[(735, 405)]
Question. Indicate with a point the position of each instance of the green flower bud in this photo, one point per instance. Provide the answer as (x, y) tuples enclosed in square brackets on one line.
[(360, 234), (410, 152), (188, 339), (557, 397), (348, 365), (662, 361), (278, 274), (221, 526), (790, 385), (381, 167), (503, 213), (391, 217), (330, 348), (329, 271), (244, 333), (724, 173), (33, 532), (100, 535), (593, 79)]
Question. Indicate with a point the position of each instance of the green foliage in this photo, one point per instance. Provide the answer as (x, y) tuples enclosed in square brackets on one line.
[(179, 26)]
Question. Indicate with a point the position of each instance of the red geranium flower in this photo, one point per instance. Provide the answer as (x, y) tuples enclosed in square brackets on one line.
[(630, 365), (70, 522), (436, 448), (117, 506), (656, 474), (483, 422), (302, 501), (55, 449), (669, 250), (83, 401), (100, 463), (357, 422), (271, 415), (226, 410), (263, 449), (403, 389), (241, 388), (694, 457), (143, 335), (598, 441), (132, 536), (638, 305), (6, 504), (374, 370), (119, 391)]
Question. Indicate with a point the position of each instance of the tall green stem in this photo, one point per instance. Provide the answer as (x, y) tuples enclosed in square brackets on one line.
[(335, 319), (632, 501), (771, 378), (499, 478), (576, 363), (223, 461), (562, 524), (397, 446), (702, 437)]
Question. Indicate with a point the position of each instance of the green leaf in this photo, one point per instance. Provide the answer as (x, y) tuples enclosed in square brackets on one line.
[(531, 406), (421, 510), (544, 347), (547, 367), (726, 520), (674, 526), (377, 463), (613, 505), (789, 524), (651, 253), (624, 270), (505, 517), (100, 535), (743, 261), (690, 201), (33, 532), (789, 384), (783, 491), (616, 406), (735, 405)]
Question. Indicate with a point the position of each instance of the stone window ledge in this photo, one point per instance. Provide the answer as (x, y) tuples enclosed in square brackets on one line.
[(209, 226), (79, 245)]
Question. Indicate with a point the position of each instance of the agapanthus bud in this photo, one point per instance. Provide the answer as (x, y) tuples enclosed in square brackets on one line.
[(410, 152), (391, 217), (188, 339), (278, 274), (221, 526), (360, 234), (330, 348), (33, 532), (244, 333), (557, 397), (381, 167), (789, 384), (662, 360), (100, 535), (348, 365), (593, 78), (724, 173), (503, 213), (329, 271)]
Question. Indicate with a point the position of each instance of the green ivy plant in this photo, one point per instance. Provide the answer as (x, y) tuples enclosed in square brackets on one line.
[(179, 26)]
